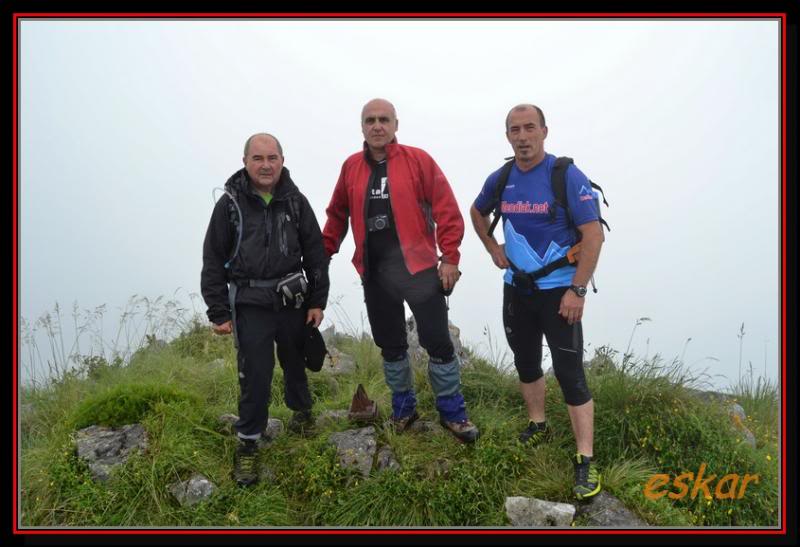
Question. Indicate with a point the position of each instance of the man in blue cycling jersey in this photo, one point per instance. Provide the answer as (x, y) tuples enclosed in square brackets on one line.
[(537, 231)]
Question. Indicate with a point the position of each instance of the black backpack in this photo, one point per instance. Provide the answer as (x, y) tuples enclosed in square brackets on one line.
[(558, 182)]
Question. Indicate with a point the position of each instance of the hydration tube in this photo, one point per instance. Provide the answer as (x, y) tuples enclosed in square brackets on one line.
[(239, 229)]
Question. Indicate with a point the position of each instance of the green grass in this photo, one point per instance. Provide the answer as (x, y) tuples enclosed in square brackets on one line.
[(759, 398), (646, 422), (646, 412)]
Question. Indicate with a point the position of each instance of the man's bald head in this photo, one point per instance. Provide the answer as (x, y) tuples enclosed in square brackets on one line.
[(380, 103), (262, 136), (378, 125)]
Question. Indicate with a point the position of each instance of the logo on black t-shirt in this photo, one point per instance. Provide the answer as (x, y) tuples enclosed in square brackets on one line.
[(379, 193)]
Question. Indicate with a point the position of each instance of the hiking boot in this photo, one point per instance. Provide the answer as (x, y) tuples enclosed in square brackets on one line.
[(465, 431), (401, 424), (245, 463), (587, 477), (533, 435), (301, 422)]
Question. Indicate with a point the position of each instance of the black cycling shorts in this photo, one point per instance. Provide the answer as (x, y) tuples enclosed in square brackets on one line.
[(526, 318)]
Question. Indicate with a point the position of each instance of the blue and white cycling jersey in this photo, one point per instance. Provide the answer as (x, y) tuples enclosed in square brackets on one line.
[(532, 240)]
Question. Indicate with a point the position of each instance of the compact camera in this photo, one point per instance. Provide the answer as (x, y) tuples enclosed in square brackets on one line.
[(377, 223)]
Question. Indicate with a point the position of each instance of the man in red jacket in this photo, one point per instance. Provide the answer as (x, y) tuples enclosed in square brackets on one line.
[(400, 206)]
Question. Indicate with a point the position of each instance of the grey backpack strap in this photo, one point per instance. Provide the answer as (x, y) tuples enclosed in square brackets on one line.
[(232, 287)]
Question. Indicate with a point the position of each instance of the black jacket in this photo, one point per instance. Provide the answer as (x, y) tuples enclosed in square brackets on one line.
[(271, 247)]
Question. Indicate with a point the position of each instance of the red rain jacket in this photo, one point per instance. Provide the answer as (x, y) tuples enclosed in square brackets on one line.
[(423, 205)]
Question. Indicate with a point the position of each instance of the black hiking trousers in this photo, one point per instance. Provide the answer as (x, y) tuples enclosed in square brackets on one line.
[(389, 284), (259, 329)]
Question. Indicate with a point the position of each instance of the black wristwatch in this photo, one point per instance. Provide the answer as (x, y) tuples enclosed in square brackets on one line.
[(580, 290)]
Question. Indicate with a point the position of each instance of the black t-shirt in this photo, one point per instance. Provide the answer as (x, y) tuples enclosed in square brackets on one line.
[(378, 190), (382, 244)]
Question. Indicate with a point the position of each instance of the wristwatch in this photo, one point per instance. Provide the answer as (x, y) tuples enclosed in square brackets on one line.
[(580, 290)]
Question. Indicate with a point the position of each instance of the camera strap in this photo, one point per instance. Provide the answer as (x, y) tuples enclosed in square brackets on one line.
[(379, 169)]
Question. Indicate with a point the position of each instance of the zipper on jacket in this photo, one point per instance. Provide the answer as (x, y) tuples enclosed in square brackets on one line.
[(427, 213), (282, 244)]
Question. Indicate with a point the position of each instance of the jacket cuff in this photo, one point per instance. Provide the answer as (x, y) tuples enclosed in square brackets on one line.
[(219, 319)]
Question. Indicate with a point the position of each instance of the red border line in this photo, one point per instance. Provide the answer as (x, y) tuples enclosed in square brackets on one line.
[(783, 271), (726, 15), (403, 531), (14, 197), (305, 16)]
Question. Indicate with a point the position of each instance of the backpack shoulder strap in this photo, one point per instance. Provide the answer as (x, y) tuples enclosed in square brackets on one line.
[(558, 183), (235, 218), (597, 186), (296, 206), (499, 186), (233, 214), (599, 215)]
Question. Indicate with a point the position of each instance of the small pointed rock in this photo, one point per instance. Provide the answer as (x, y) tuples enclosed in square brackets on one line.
[(362, 408)]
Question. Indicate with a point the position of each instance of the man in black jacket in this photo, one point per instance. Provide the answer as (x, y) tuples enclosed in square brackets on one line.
[(263, 231)]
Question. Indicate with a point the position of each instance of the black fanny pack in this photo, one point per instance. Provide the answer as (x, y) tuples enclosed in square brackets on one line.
[(293, 289), (524, 281)]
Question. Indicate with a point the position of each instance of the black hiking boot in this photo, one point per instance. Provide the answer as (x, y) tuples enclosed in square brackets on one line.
[(587, 477), (465, 431), (534, 435), (245, 463), (301, 422)]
